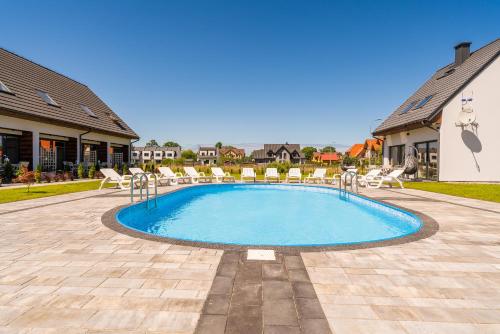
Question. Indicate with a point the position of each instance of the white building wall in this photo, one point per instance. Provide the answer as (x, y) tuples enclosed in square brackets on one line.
[(408, 138), (467, 154), (38, 127)]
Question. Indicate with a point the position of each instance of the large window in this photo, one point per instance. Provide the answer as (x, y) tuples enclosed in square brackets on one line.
[(397, 155), (9, 148), (427, 160), (52, 154)]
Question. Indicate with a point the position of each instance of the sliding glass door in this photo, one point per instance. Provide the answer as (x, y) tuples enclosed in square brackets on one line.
[(427, 155)]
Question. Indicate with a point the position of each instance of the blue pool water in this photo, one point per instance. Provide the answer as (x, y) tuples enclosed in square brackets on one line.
[(278, 215)]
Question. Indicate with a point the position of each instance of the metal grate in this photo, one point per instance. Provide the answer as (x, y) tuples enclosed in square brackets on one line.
[(117, 159), (90, 158)]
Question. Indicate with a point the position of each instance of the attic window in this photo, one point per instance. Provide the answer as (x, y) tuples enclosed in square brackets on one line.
[(424, 102), (4, 88), (445, 74), (408, 107), (46, 97), (88, 111)]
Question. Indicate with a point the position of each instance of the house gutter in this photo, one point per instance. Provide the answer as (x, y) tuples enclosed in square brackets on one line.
[(426, 124), (80, 143)]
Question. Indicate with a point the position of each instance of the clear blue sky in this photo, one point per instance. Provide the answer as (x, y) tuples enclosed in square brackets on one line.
[(248, 71)]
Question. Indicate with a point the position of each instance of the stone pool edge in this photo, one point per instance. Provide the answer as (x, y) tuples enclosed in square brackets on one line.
[(429, 228)]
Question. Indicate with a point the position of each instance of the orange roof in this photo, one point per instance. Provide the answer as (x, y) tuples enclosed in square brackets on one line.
[(330, 156), (373, 144), (355, 150)]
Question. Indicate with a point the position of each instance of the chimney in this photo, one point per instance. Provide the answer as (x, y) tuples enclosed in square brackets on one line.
[(462, 52)]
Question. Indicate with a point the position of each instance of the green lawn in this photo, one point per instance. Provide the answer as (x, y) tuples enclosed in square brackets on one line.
[(20, 194), (485, 192)]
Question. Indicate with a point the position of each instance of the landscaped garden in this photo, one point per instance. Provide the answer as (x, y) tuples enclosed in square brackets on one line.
[(482, 191)]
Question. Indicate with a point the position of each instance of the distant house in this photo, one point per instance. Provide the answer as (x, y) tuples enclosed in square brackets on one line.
[(49, 119), (156, 153), (207, 155), (279, 153), (373, 149), (327, 157), (232, 153), (356, 151), (451, 123)]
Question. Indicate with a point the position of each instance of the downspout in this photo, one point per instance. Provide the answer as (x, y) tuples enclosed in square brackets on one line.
[(80, 143)]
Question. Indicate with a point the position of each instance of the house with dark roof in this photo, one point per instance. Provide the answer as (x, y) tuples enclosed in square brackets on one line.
[(155, 153), (451, 123), (231, 153), (279, 153), (208, 155), (51, 120)]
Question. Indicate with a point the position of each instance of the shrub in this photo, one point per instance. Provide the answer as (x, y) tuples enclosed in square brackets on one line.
[(167, 162), (92, 172), (116, 168), (8, 172), (26, 177), (81, 171), (124, 169), (38, 174), (68, 176)]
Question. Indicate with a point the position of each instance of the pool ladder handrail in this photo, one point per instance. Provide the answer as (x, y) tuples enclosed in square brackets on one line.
[(353, 178), (141, 185)]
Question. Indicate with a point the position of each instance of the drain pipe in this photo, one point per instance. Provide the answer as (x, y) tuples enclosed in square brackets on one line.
[(80, 144)]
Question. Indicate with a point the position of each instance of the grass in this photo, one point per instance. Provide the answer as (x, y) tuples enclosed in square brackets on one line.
[(21, 194), (485, 192)]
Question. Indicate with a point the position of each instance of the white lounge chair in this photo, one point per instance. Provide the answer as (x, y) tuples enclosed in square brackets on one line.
[(137, 172), (271, 175), (364, 179), (392, 177), (294, 174), (166, 174), (343, 177), (219, 176), (111, 176), (248, 173), (195, 177), (319, 176)]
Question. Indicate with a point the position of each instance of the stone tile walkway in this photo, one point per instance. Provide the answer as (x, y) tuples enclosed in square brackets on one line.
[(61, 270), (256, 297)]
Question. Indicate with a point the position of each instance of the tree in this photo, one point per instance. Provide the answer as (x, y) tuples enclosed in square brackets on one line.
[(218, 144), (152, 142), (328, 149), (171, 144), (309, 152), (26, 177), (188, 154)]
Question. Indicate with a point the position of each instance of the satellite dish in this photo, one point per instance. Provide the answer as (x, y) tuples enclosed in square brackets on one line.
[(466, 116)]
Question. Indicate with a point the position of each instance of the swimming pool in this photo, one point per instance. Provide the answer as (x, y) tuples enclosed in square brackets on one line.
[(273, 215)]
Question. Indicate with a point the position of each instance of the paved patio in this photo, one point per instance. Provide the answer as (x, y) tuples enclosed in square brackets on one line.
[(61, 270)]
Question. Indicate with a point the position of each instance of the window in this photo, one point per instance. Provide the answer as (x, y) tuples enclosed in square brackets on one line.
[(445, 74), (423, 102), (396, 155), (88, 111), (408, 107), (46, 97), (4, 88), (427, 155), (9, 148)]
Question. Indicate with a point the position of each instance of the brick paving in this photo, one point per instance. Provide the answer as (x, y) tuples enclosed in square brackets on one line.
[(61, 270)]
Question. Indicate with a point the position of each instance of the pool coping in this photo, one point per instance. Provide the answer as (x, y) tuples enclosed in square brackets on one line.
[(429, 227)]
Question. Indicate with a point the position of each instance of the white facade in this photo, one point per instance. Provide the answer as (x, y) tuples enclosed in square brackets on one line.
[(468, 153), (37, 128), (472, 153)]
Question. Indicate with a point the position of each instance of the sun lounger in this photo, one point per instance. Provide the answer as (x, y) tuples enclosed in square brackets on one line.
[(195, 177), (111, 176), (392, 177), (364, 179), (294, 174), (167, 175), (219, 176), (248, 173), (271, 175), (318, 176)]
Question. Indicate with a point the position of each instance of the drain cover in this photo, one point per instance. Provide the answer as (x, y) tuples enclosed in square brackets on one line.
[(261, 254)]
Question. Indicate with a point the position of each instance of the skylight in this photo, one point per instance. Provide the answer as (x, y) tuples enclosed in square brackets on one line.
[(408, 107), (4, 88), (423, 102), (88, 111), (46, 97)]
